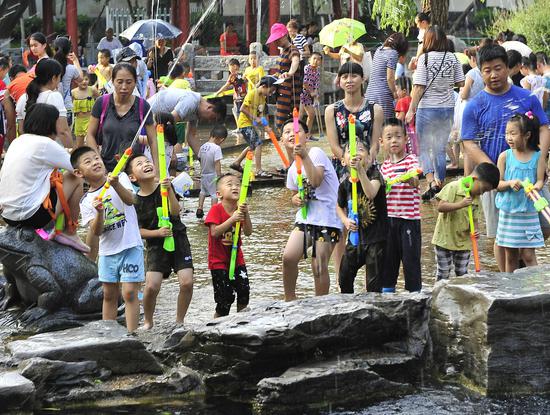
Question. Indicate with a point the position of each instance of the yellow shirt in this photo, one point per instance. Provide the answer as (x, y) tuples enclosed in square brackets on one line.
[(180, 84), (255, 104), (253, 75)]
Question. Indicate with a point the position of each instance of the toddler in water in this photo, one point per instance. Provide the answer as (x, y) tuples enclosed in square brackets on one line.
[(236, 81), (518, 220), (210, 155), (83, 100), (310, 92), (451, 238)]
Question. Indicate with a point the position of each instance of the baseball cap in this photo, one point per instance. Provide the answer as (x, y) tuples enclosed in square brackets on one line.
[(278, 30), (268, 80), (126, 54)]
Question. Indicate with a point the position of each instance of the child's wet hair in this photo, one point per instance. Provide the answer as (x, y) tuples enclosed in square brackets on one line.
[(167, 120), (488, 173), (528, 123), (404, 83), (77, 154), (393, 122), (303, 124), (219, 131)]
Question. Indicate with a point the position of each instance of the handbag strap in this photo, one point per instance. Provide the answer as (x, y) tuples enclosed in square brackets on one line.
[(435, 76)]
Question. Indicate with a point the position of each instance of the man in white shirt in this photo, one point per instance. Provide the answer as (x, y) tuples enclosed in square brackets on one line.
[(109, 41)]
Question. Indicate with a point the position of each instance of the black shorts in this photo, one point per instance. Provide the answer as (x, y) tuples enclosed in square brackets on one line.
[(160, 260), (225, 289), (320, 233), (40, 218)]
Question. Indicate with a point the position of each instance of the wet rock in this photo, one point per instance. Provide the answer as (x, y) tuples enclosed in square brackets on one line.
[(493, 329), (16, 392), (46, 274), (56, 374), (338, 382), (104, 342), (235, 352), (141, 387)]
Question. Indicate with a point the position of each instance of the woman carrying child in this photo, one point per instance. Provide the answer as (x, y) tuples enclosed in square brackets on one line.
[(518, 220)]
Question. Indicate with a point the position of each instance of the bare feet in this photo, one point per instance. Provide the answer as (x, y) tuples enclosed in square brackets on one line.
[(70, 240)]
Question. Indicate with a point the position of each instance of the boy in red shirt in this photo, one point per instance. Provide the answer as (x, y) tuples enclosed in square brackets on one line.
[(221, 221)]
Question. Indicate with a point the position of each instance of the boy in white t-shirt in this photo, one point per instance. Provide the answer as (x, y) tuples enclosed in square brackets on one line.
[(114, 219), (321, 226), (210, 156)]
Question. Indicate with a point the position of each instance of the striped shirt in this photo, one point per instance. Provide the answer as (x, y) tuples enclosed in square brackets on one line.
[(403, 200), (300, 42), (289, 91), (439, 75), (378, 90)]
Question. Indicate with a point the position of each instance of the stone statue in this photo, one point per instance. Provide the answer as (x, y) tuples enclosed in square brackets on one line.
[(46, 275)]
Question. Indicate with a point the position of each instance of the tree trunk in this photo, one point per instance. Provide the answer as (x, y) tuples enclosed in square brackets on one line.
[(336, 9), (439, 11)]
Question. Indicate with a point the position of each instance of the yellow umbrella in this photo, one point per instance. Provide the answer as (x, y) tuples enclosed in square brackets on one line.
[(340, 32)]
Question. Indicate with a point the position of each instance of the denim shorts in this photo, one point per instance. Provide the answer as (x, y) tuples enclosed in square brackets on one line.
[(126, 266), (251, 136)]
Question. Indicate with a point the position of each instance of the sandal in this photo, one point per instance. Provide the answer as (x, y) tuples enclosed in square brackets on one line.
[(431, 192), (236, 167), (263, 174)]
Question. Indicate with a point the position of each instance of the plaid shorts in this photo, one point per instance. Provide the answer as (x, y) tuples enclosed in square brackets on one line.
[(251, 136), (446, 258)]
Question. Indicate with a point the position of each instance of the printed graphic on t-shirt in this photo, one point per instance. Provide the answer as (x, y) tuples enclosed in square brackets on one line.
[(227, 237), (366, 210), (113, 218)]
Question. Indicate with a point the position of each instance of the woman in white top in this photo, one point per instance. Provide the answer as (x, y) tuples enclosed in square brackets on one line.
[(25, 186), (43, 89), (438, 71), (38, 45)]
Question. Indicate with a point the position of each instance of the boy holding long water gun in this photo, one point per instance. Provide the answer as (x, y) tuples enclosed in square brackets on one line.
[(160, 262), (366, 243), (451, 240), (314, 185), (112, 217), (400, 172), (222, 222)]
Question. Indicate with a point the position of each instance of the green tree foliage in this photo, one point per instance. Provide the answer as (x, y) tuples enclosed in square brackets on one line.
[(395, 14), (532, 21)]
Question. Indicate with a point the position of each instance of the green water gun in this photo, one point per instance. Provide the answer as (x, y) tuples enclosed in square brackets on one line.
[(467, 184), (247, 173), (300, 177), (541, 204), (403, 178), (163, 211)]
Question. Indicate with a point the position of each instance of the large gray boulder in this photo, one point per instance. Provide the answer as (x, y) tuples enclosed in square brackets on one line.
[(47, 275), (16, 392), (237, 351), (104, 342), (493, 330)]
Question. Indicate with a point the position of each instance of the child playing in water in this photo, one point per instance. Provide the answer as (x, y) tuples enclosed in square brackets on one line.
[(321, 227), (310, 92), (28, 192), (403, 201), (112, 218), (83, 100), (210, 156), (518, 221), (253, 109), (451, 238), (160, 263), (221, 221), (254, 72), (371, 226)]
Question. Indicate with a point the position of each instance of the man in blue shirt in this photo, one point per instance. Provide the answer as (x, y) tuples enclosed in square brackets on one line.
[(484, 123)]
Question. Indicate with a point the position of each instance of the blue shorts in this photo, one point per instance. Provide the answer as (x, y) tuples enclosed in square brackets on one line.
[(126, 266), (251, 136)]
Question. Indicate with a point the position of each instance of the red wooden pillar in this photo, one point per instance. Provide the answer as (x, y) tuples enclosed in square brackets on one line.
[(355, 14), (47, 13), (183, 20), (250, 23), (174, 12), (72, 22), (336, 9), (274, 15)]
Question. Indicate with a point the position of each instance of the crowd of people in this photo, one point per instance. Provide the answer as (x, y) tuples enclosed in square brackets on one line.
[(359, 206)]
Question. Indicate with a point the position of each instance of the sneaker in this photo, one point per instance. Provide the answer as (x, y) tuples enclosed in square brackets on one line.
[(431, 192), (263, 174), (199, 213)]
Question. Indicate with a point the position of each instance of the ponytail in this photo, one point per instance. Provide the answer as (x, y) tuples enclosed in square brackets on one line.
[(41, 38), (62, 47), (45, 70)]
